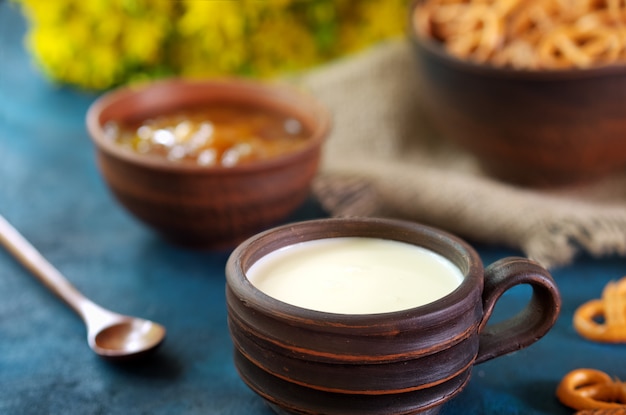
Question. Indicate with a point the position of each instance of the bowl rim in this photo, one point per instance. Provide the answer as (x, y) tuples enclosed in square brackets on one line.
[(456, 302), (436, 49), (276, 91)]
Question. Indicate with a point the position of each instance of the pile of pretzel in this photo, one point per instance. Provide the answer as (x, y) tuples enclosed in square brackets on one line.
[(528, 34)]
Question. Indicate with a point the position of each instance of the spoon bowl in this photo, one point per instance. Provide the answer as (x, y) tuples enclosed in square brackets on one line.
[(110, 335), (125, 337)]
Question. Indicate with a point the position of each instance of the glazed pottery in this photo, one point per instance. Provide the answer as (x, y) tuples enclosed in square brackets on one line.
[(543, 128), (207, 206), (403, 362)]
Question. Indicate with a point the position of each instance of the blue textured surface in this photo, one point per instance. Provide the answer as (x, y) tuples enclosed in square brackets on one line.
[(51, 191)]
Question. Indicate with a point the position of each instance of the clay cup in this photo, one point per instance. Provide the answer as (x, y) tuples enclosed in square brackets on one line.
[(412, 361)]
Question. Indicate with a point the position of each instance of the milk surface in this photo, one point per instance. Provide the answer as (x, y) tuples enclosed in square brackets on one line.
[(353, 275)]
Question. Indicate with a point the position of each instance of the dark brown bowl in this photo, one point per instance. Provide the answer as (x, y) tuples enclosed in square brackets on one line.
[(200, 206), (535, 128)]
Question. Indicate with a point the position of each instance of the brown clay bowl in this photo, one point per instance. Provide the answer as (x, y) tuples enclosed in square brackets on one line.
[(412, 361), (206, 206), (534, 128)]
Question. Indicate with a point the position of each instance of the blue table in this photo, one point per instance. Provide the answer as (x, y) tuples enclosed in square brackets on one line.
[(52, 192)]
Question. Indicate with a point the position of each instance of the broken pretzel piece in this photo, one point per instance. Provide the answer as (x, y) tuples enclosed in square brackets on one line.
[(604, 320)]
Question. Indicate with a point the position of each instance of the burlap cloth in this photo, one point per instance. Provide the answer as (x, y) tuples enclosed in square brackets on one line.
[(383, 159)]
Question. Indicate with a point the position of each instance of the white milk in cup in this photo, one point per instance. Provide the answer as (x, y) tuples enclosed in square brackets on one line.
[(355, 275)]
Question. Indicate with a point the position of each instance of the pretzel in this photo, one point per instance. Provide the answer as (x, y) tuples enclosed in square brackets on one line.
[(612, 411), (580, 46), (590, 389), (481, 32), (611, 309)]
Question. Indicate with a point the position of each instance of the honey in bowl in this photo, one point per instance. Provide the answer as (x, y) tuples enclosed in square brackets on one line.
[(214, 135)]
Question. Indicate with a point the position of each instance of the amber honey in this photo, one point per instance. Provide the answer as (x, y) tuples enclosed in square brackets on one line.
[(214, 135)]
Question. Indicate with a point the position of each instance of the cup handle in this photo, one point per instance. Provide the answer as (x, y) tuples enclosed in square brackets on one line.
[(531, 323)]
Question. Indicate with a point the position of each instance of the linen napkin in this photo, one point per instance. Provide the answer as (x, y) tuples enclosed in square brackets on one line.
[(384, 159)]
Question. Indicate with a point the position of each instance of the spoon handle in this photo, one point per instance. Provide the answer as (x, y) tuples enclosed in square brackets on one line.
[(28, 256)]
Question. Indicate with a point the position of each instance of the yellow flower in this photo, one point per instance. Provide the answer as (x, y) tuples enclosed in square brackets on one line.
[(295, 50), (142, 41), (98, 44), (43, 12), (50, 48), (373, 22)]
